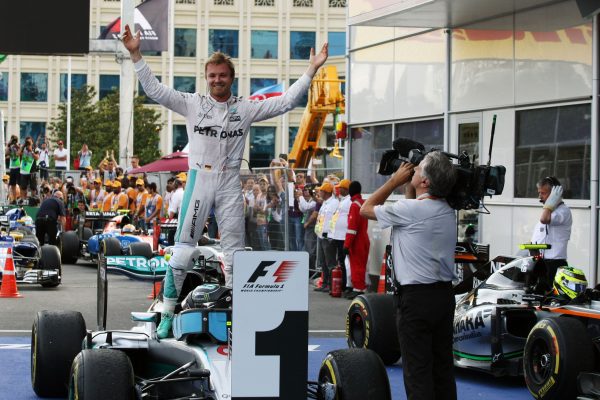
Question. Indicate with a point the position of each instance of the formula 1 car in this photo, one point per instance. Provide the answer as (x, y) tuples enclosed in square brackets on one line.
[(34, 264), (491, 322), (195, 364), (83, 243), (139, 266)]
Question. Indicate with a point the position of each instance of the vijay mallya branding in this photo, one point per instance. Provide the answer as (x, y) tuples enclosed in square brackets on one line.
[(471, 322)]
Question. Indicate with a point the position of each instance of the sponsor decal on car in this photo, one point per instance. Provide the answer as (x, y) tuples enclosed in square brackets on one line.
[(137, 262)]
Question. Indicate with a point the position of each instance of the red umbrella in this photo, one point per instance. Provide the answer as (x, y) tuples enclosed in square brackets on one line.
[(174, 162)]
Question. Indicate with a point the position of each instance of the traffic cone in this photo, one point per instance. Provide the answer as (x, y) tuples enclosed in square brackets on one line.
[(382, 277), (9, 282), (155, 290)]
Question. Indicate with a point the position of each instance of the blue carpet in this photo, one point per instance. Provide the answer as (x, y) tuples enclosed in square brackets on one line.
[(15, 375)]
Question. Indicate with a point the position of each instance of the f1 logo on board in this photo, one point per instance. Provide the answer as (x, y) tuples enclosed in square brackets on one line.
[(263, 279)]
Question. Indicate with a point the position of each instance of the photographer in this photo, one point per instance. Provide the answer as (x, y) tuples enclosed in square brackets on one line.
[(28, 160), (423, 240), (12, 153)]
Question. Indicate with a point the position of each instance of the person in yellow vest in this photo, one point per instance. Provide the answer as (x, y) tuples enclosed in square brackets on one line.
[(140, 204), (120, 201), (97, 194), (107, 202), (129, 186)]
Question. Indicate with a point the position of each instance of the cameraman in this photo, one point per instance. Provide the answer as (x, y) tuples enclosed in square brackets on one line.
[(423, 240)]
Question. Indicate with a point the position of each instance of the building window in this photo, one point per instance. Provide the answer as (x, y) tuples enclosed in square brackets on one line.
[(77, 82), (292, 132), (108, 83), (142, 93), (553, 141), (264, 44), (33, 129), (303, 3), (429, 133), (261, 83), (180, 138), (223, 2), (337, 3), (185, 84), (304, 100), (300, 44), (223, 40), (185, 42), (264, 3), (368, 145), (337, 43), (34, 87), (234, 87), (3, 86), (262, 146)]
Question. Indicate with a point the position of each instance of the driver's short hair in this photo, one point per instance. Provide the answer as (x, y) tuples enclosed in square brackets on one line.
[(220, 58), (438, 169), (548, 181)]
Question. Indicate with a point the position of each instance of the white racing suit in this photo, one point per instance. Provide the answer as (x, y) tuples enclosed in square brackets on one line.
[(217, 135)]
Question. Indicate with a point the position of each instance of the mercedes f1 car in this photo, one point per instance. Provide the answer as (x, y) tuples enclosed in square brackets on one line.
[(34, 264), (196, 363)]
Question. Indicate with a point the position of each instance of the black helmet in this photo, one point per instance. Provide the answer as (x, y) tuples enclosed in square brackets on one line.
[(208, 295)]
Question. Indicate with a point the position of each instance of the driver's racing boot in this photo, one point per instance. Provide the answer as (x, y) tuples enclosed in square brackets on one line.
[(164, 328)]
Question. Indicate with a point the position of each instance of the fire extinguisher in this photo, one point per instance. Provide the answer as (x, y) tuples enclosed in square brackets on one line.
[(336, 282)]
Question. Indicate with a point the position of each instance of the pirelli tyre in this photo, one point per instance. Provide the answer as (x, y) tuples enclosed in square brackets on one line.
[(370, 324), (87, 233), (69, 247), (111, 246), (556, 351), (101, 374), (141, 249), (50, 260), (56, 338), (353, 374)]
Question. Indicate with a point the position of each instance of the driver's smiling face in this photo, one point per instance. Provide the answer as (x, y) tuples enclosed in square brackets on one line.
[(219, 79)]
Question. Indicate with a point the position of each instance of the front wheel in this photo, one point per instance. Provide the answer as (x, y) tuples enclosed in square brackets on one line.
[(353, 374), (556, 351), (56, 339), (101, 374)]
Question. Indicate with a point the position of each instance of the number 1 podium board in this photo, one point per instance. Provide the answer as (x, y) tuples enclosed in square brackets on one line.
[(269, 350)]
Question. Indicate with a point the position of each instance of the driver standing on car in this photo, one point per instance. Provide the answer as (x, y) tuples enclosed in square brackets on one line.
[(217, 126), (423, 239), (554, 226), (50, 214)]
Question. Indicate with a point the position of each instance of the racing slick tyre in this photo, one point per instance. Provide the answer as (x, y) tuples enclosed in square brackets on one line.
[(56, 339), (353, 374), (370, 324), (50, 260), (101, 374), (111, 246), (141, 249), (556, 351), (69, 247), (87, 233)]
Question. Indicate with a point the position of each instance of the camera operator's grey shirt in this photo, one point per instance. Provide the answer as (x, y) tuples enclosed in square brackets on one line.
[(423, 239)]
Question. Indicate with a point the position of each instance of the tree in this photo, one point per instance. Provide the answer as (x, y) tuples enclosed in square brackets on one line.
[(97, 125)]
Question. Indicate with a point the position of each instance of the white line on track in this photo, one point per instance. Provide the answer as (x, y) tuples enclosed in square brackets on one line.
[(321, 331), (15, 330), (15, 346)]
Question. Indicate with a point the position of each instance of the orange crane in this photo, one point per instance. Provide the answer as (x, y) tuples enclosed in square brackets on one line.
[(324, 97)]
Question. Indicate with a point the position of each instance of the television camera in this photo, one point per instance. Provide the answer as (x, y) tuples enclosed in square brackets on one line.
[(473, 182)]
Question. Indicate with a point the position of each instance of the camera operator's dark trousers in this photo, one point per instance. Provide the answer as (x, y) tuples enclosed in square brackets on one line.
[(425, 328), (327, 259), (45, 226)]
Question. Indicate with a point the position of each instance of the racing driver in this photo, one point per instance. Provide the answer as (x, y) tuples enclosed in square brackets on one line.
[(217, 126)]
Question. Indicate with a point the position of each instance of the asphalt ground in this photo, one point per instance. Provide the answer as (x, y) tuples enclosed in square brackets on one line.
[(78, 292)]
